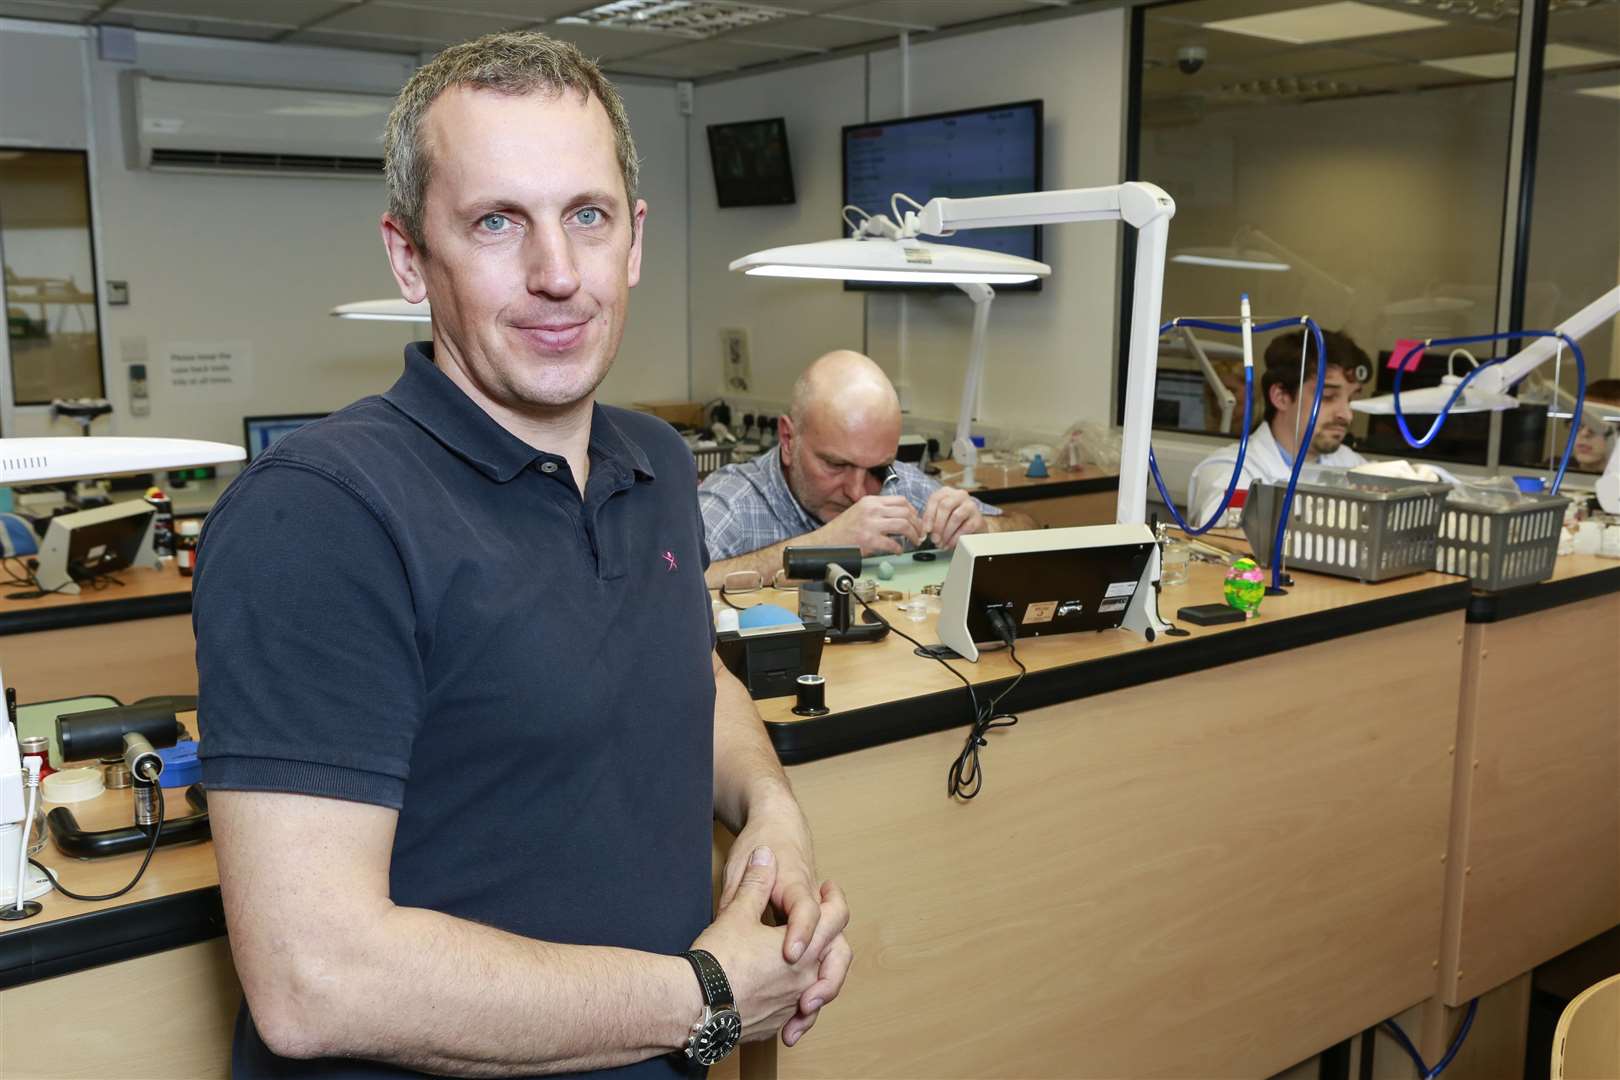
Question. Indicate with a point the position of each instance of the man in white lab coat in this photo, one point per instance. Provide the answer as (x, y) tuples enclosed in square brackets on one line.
[(1288, 406)]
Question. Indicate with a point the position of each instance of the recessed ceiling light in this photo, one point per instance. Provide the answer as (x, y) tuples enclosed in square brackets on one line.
[(1326, 22), (682, 18), (1500, 65), (1602, 91)]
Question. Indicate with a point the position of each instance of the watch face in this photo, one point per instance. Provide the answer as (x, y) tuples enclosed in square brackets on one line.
[(718, 1038)]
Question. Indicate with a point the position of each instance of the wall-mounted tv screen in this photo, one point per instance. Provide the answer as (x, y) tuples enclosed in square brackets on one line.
[(960, 155), (751, 163)]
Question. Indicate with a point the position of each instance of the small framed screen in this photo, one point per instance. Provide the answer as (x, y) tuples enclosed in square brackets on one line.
[(752, 166)]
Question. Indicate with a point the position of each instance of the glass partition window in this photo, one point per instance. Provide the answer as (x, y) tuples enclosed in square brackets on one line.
[(52, 322), (1574, 225), (1329, 160)]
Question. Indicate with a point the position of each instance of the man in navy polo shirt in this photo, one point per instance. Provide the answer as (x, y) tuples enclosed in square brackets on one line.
[(464, 733)]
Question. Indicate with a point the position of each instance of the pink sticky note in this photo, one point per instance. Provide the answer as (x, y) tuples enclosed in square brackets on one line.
[(1402, 347)]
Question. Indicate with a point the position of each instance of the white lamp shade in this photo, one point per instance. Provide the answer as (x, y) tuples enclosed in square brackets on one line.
[(1431, 399), (901, 261), (1230, 258), (395, 310), (47, 460)]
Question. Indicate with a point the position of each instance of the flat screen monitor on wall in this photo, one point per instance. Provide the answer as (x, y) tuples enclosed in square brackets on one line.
[(994, 150), (752, 166)]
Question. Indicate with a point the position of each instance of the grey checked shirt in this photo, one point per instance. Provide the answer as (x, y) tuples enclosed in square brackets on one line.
[(747, 507)]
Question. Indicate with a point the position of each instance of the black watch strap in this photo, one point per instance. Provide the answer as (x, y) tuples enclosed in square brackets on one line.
[(712, 978)]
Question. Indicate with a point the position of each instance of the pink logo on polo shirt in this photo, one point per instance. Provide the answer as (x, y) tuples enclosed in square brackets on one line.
[(669, 557)]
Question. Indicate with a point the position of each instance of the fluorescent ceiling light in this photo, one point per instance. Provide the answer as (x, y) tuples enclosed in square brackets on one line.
[(1612, 92), (395, 310), (1230, 259), (1500, 65), (682, 18), (881, 260), (1326, 22)]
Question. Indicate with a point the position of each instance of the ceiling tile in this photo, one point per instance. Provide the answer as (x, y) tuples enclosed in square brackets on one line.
[(280, 13), (608, 44), (365, 42), (937, 15), (1460, 39), (421, 24), (1597, 27), (718, 55), (516, 11), (49, 12), (179, 24), (812, 33)]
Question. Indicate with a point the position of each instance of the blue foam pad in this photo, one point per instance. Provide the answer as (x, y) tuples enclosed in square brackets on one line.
[(766, 615), (180, 765), (16, 536)]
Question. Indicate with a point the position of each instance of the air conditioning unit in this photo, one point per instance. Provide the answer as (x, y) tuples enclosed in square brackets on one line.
[(227, 128)]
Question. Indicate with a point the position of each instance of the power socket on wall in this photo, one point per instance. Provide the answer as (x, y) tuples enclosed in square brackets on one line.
[(739, 374)]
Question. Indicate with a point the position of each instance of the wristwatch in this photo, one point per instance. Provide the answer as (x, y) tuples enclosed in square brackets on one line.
[(719, 1030)]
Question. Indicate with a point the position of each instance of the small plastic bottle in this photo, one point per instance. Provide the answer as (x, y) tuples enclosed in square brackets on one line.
[(163, 524), (185, 546)]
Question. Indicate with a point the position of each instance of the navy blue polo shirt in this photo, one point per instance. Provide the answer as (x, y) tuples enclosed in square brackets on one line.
[(404, 604)]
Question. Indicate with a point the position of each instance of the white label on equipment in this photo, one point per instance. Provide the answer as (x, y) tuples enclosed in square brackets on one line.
[(1112, 605), (1041, 612), (918, 255), (1121, 588)]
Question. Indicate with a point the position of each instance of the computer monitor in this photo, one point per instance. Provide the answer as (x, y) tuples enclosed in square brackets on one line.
[(91, 543), (994, 150), (258, 432), (1048, 581)]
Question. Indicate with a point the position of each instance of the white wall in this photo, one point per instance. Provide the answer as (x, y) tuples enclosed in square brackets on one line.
[(1052, 355), (263, 259), (789, 322)]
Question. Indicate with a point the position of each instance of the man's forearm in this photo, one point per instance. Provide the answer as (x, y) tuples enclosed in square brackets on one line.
[(1010, 521), (747, 773), (428, 991)]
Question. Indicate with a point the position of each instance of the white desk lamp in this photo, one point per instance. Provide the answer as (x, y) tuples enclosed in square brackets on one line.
[(881, 251), (395, 310), (1488, 391), (46, 460), (1142, 206), (1145, 208)]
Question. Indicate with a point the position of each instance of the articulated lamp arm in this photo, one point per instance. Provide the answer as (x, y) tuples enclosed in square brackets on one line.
[(1144, 207)]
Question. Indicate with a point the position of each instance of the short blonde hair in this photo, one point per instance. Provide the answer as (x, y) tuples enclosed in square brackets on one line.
[(514, 62)]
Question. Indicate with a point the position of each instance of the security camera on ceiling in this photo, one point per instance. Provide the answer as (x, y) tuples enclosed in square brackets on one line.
[(1190, 58)]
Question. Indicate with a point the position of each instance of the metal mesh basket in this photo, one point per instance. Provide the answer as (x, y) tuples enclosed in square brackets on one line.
[(711, 458), (1380, 528), (1500, 547)]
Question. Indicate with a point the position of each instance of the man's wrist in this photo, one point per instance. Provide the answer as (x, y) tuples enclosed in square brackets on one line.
[(685, 997), (770, 797)]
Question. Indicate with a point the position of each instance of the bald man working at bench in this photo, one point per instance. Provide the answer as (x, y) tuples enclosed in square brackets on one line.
[(833, 480)]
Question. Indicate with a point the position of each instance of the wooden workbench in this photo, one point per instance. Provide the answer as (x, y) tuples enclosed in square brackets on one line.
[(1081, 496), (55, 646), (1209, 856), (1189, 858)]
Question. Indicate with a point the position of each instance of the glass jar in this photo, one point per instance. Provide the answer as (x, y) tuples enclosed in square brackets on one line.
[(185, 545)]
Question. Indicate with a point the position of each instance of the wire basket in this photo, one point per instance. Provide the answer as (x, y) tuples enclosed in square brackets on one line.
[(710, 458), (1380, 528), (1500, 547)]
